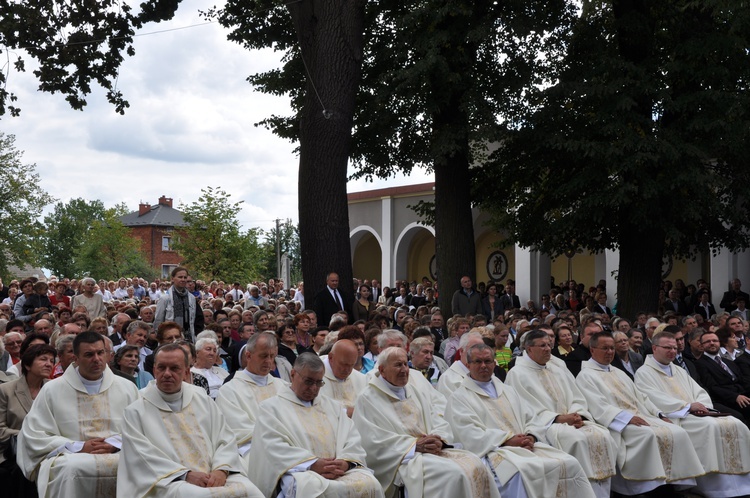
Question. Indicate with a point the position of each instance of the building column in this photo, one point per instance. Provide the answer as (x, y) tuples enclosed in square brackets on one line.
[(612, 264), (533, 271), (386, 249), (725, 267)]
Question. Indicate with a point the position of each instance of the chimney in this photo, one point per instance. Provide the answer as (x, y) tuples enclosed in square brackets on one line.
[(143, 209), (165, 201)]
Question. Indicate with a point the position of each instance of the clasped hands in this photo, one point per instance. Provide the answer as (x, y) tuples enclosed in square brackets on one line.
[(571, 419), (521, 440), (429, 443), (215, 479), (330, 468), (97, 446)]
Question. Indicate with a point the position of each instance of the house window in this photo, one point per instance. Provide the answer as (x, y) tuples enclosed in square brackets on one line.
[(166, 243), (166, 271)]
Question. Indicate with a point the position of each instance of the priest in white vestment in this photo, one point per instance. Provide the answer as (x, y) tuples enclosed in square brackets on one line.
[(342, 382), (391, 338), (459, 370), (176, 443), (239, 399), (722, 443), (305, 445), (69, 440), (492, 422), (408, 440), (653, 451), (557, 404)]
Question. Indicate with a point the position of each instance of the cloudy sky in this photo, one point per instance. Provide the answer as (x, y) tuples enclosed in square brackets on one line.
[(190, 125)]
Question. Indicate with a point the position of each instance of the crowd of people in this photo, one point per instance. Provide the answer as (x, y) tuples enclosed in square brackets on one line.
[(188, 388)]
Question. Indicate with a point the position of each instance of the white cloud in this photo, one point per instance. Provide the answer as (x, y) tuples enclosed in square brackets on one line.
[(190, 125)]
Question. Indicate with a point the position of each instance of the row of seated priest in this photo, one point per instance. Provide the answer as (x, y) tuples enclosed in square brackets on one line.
[(333, 431)]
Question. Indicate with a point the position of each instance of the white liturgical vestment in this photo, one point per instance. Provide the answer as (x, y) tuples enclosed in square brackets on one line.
[(649, 456), (239, 401), (167, 435), (63, 417), (344, 391), (393, 421), (722, 443), (290, 435), (550, 390), (483, 422)]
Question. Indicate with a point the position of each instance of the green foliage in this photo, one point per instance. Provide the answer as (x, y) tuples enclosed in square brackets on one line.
[(108, 250), (21, 207), (213, 246), (288, 236), (77, 44), (65, 229), (645, 132)]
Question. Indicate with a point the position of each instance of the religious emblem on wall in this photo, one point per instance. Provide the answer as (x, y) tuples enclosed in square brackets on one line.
[(497, 266), (666, 266), (433, 268)]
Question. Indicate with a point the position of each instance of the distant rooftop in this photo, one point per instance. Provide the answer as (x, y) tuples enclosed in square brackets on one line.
[(404, 191), (161, 215)]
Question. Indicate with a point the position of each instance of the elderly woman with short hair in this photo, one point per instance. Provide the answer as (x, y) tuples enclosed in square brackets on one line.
[(206, 354)]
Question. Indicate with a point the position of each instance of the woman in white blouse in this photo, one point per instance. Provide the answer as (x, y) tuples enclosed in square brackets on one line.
[(206, 353)]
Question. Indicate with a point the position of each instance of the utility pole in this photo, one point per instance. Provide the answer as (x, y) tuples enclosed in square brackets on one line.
[(278, 250)]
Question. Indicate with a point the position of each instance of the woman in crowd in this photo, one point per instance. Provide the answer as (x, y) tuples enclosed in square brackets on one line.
[(730, 350), (191, 377), (318, 336), (19, 306), (355, 335), (206, 354), (564, 340), (302, 330), (99, 325), (371, 344), (492, 305), (288, 347), (125, 364), (59, 298), (16, 398), (362, 306)]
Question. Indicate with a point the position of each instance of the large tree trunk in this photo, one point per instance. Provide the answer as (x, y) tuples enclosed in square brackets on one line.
[(454, 229), (330, 33), (639, 277), (641, 244)]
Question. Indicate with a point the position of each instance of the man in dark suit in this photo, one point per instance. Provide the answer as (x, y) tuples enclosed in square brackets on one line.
[(688, 364), (729, 300), (582, 353), (510, 300), (601, 304), (329, 300), (722, 378), (118, 334), (438, 330), (674, 303), (376, 291), (704, 306)]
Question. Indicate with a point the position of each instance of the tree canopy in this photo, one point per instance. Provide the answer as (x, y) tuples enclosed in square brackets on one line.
[(65, 230), (639, 145), (21, 207), (213, 246), (108, 251)]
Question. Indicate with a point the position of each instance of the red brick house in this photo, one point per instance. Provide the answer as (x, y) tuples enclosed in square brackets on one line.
[(156, 227)]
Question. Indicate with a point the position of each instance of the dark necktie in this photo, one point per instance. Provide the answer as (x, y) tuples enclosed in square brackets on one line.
[(338, 301), (723, 366), (680, 361)]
